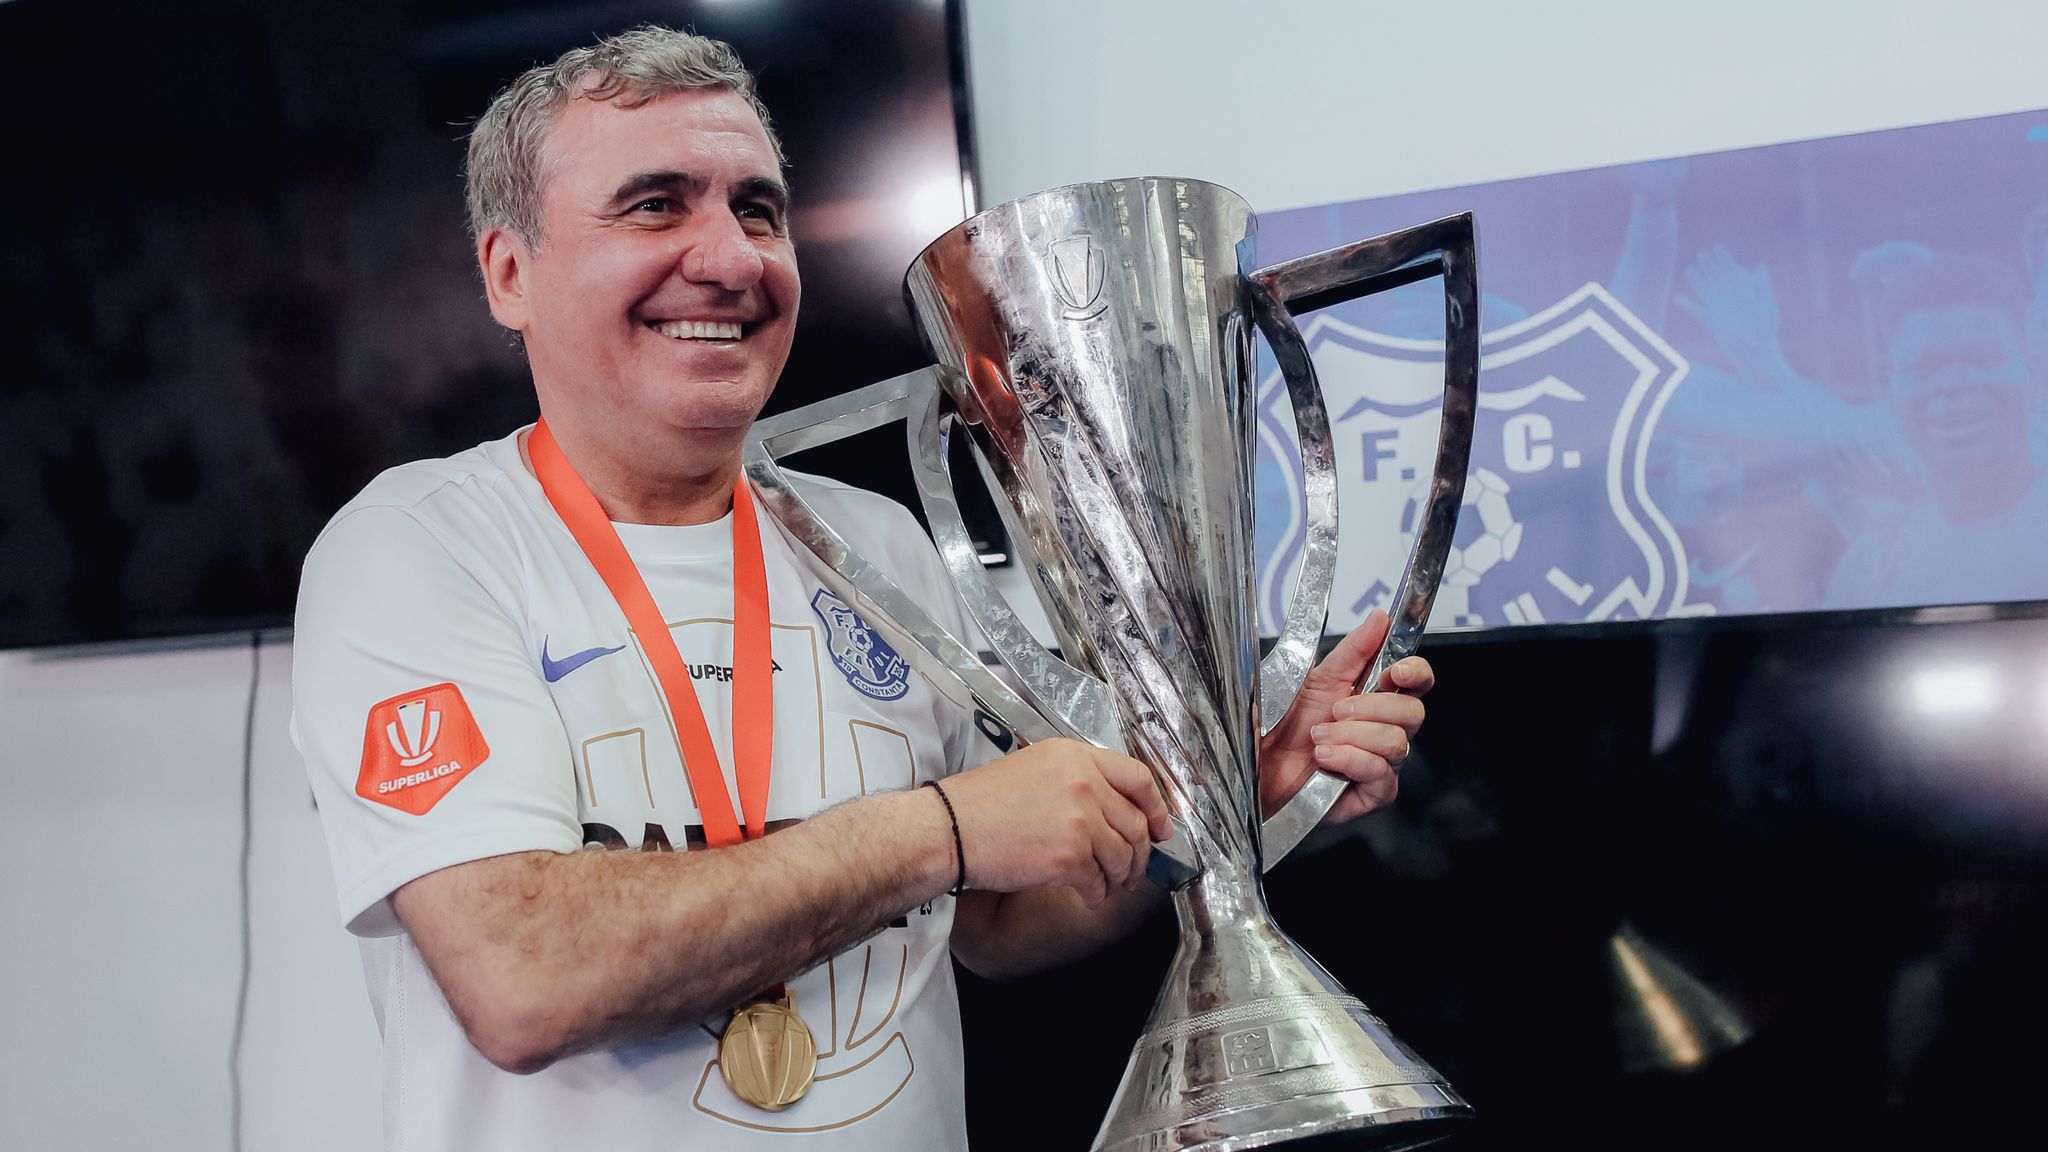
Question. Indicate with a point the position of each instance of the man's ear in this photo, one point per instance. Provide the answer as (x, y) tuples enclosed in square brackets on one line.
[(503, 258)]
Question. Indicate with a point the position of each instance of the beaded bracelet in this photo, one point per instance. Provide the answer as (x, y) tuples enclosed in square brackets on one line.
[(959, 853)]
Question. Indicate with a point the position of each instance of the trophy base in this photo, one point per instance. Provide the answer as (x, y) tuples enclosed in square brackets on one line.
[(1252, 1044), (1388, 1119)]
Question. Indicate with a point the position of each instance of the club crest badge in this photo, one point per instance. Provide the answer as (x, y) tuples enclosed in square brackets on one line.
[(1557, 523), (867, 661)]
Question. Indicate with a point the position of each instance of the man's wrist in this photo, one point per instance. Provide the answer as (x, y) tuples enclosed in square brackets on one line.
[(921, 820), (959, 848)]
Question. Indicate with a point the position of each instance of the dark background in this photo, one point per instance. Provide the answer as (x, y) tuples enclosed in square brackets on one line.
[(235, 281), (1859, 882)]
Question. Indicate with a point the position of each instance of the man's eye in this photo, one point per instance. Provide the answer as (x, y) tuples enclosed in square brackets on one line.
[(654, 204)]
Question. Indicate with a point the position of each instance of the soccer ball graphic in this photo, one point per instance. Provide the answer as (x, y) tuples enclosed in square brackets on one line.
[(1488, 534)]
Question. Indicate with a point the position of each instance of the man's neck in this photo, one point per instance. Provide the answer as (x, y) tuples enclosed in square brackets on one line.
[(630, 492)]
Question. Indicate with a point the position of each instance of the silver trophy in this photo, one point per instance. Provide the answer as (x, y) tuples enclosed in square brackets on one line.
[(1095, 345)]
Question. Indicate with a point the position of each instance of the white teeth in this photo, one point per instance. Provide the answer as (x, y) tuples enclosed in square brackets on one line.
[(697, 330)]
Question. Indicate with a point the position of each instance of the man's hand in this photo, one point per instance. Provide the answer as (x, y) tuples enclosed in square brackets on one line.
[(1737, 305), (1362, 737), (1059, 813)]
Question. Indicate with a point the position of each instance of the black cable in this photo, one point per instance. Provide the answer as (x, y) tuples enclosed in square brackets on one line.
[(242, 988)]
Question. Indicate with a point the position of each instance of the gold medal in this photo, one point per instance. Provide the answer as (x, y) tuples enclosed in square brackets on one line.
[(767, 1055)]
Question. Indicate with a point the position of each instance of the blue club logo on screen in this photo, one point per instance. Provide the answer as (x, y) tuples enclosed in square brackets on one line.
[(1557, 523)]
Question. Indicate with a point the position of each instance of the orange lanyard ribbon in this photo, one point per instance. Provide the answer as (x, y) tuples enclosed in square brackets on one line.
[(753, 688)]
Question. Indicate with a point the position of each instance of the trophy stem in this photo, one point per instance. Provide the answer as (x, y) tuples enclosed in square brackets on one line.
[(1251, 1043)]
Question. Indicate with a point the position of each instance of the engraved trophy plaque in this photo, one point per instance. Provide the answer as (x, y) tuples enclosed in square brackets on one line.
[(1095, 347)]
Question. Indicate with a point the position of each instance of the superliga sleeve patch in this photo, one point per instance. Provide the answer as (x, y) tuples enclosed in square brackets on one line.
[(417, 747)]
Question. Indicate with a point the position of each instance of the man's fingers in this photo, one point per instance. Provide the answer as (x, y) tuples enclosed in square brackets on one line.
[(1127, 821), (1354, 764), (1386, 740), (1360, 799), (1350, 806), (1092, 890), (1380, 792), (1113, 855), (1133, 781), (1141, 855), (1349, 659), (1403, 711), (1410, 676)]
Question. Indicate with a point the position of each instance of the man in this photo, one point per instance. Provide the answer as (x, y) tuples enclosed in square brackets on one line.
[(475, 707), (1968, 409), (1936, 492)]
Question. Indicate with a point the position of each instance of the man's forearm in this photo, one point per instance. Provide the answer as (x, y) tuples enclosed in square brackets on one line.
[(543, 954)]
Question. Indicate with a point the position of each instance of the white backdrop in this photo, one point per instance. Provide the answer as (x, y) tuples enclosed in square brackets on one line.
[(121, 828), (1299, 102)]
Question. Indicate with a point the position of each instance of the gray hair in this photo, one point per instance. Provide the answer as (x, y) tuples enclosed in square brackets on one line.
[(504, 171)]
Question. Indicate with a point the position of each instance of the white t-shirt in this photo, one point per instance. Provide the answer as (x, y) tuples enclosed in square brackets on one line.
[(465, 686)]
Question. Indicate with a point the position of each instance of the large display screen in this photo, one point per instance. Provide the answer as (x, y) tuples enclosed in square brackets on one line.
[(235, 281), (1799, 377)]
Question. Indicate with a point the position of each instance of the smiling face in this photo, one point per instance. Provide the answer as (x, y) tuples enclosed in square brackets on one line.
[(1960, 387), (658, 309)]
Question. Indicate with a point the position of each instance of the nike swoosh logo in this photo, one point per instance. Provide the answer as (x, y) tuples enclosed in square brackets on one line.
[(553, 670)]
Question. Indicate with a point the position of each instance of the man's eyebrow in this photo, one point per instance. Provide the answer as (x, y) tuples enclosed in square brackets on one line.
[(775, 192), (641, 184)]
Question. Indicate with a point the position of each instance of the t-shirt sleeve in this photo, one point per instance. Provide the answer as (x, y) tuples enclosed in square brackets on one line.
[(428, 734)]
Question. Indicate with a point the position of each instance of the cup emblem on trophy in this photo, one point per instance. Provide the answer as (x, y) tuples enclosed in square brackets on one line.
[(1120, 453), (1077, 276)]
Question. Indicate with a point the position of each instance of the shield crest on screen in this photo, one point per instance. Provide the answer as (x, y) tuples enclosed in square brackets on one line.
[(1557, 525)]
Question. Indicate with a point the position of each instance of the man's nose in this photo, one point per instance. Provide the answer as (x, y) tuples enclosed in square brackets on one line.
[(722, 254)]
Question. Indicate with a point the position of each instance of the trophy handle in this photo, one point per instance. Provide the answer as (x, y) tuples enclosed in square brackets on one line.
[(951, 666), (1443, 247), (1078, 706), (1050, 685), (1079, 703), (1286, 664)]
